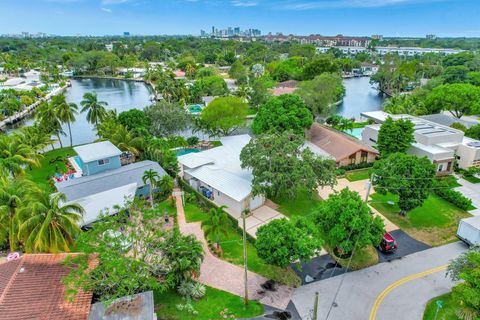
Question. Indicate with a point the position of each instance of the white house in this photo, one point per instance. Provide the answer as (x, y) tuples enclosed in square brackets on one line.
[(218, 171), (440, 143)]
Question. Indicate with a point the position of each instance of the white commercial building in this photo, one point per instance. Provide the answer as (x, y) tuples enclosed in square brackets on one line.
[(441, 144), (401, 51), (218, 173)]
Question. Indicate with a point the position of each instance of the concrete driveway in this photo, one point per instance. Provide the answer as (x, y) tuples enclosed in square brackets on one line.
[(396, 290), (471, 191)]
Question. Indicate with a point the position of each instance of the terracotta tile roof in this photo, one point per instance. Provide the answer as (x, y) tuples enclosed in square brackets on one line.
[(280, 91), (288, 84), (31, 288), (336, 143)]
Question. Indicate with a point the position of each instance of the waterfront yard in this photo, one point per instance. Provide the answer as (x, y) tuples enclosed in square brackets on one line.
[(435, 223), (53, 161), (216, 304)]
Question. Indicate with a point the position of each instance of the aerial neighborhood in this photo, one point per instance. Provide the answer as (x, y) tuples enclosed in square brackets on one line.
[(238, 175)]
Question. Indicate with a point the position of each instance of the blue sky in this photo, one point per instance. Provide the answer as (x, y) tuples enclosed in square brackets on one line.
[(326, 17)]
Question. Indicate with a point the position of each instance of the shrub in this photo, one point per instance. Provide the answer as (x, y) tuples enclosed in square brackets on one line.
[(442, 189), (192, 140), (191, 289), (355, 166)]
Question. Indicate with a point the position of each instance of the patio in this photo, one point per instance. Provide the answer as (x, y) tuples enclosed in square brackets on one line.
[(258, 218)]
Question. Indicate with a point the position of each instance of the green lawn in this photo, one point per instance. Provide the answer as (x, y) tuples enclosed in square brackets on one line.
[(357, 175), (213, 305), (48, 167), (362, 258), (166, 206), (434, 223), (303, 205), (472, 179), (232, 246), (446, 313)]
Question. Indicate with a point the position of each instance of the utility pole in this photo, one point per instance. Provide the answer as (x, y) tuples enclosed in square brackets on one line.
[(244, 213)]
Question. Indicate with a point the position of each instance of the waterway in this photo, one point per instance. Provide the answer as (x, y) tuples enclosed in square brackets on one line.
[(360, 96), (121, 95), (124, 95)]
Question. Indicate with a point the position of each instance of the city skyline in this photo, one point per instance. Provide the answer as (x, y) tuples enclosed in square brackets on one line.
[(395, 18)]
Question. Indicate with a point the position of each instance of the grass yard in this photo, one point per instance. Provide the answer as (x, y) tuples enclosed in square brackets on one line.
[(48, 167), (166, 205), (472, 179), (434, 223), (303, 205), (446, 313), (363, 258), (214, 305), (232, 246), (356, 175)]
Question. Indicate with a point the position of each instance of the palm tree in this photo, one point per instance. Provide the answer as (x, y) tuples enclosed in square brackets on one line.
[(65, 112), (166, 184), (216, 224), (34, 137), (15, 155), (51, 225), (151, 178), (127, 141), (14, 197), (49, 120), (95, 109)]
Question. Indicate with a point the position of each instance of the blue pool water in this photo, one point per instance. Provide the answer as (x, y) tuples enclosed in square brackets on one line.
[(77, 160), (184, 151), (195, 109), (356, 132)]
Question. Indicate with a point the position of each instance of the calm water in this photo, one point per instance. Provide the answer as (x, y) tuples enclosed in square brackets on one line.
[(119, 94), (360, 96)]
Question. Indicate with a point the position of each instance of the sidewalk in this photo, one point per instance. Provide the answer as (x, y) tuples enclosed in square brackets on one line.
[(222, 275)]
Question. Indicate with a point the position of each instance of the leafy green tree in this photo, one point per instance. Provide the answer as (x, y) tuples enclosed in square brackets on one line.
[(281, 166), (151, 178), (407, 176), (238, 72), (216, 224), (135, 120), (65, 112), (260, 93), (95, 109), (346, 223), (458, 98), (321, 93), (50, 225), (466, 267), (14, 199), (473, 132), (395, 136), (458, 126), (455, 74), (474, 78), (407, 104), (209, 86), (205, 72), (167, 118), (286, 112), (225, 114), (319, 65), (281, 242), (134, 254)]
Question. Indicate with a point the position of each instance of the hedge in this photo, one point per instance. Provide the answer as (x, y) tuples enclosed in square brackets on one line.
[(442, 189), (356, 166)]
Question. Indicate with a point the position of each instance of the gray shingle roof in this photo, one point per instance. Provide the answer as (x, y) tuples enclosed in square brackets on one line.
[(88, 185), (447, 120)]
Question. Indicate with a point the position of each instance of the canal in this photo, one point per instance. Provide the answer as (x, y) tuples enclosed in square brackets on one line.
[(360, 96), (121, 95)]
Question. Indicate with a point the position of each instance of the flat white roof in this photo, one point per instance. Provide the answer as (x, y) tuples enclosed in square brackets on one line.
[(96, 151), (105, 202)]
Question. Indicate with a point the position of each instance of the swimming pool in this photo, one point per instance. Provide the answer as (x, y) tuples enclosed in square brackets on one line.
[(195, 109), (356, 132), (77, 160), (184, 151)]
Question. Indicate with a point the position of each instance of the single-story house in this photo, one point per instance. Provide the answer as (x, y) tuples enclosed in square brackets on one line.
[(31, 288), (344, 149), (104, 182), (218, 172)]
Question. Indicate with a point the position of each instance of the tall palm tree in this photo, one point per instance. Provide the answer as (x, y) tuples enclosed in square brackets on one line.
[(95, 109), (151, 178), (15, 155), (166, 184), (14, 197), (49, 120), (65, 112), (216, 224), (127, 141), (51, 225), (34, 137)]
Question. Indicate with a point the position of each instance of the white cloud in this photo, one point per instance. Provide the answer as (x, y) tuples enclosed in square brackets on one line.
[(242, 3), (107, 2), (106, 10), (319, 4)]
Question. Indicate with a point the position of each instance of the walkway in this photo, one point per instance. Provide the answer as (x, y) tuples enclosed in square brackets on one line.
[(223, 275), (471, 191)]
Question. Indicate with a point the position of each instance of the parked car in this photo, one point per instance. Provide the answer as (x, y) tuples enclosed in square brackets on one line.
[(388, 243)]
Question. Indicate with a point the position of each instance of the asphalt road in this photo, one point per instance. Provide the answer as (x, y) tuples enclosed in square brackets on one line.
[(396, 290)]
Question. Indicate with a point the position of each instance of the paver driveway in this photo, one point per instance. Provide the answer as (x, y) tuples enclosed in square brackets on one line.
[(361, 289)]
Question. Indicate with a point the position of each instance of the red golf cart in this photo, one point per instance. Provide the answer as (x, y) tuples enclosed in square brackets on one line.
[(388, 243)]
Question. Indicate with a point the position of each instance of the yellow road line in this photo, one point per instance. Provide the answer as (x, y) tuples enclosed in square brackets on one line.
[(384, 293)]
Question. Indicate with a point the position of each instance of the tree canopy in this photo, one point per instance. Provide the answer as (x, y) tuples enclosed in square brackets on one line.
[(278, 114), (135, 119), (167, 118), (281, 166), (395, 136), (407, 176), (458, 98), (225, 114), (321, 93)]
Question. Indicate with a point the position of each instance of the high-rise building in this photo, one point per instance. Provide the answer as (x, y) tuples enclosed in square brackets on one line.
[(126, 34), (236, 31), (431, 36)]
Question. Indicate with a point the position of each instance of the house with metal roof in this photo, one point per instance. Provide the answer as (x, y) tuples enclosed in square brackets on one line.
[(217, 173), (105, 180), (439, 143)]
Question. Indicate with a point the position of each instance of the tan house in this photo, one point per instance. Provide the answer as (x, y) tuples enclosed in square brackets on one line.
[(344, 149)]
